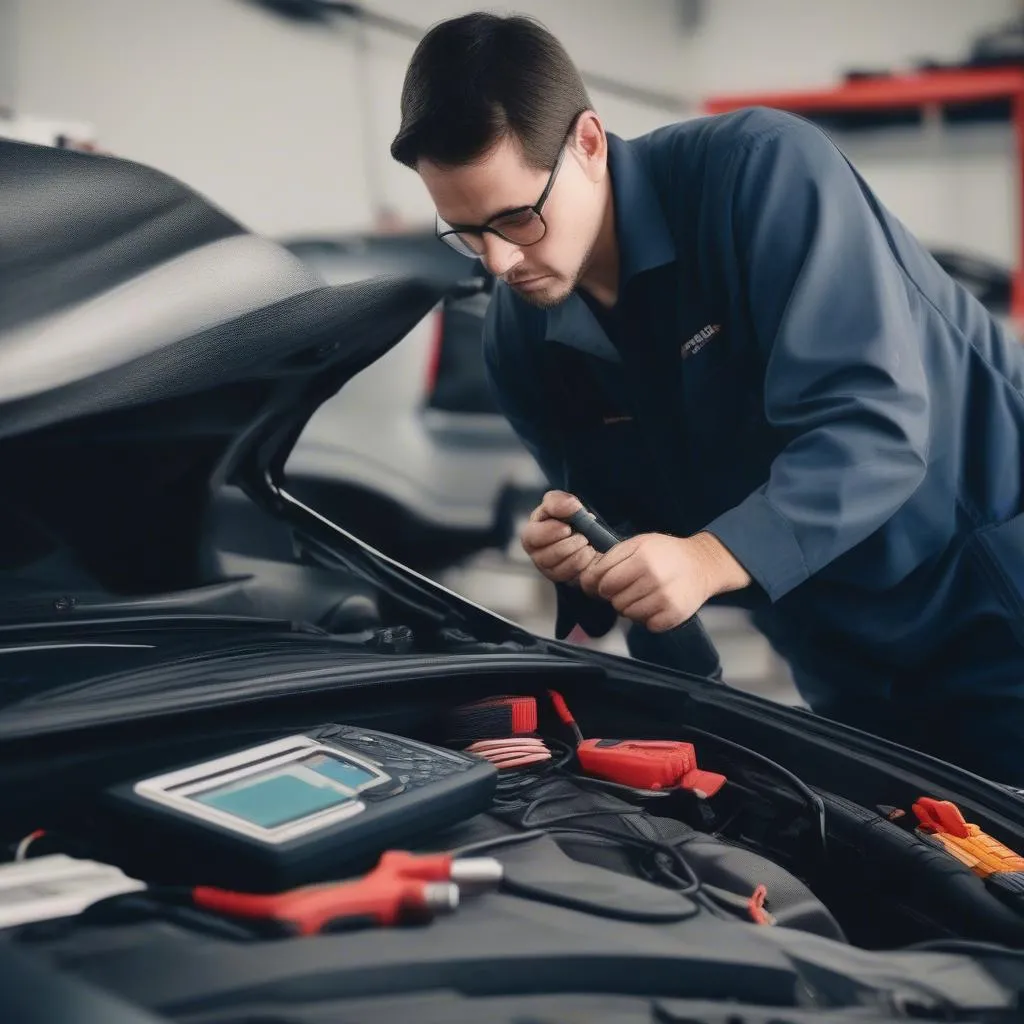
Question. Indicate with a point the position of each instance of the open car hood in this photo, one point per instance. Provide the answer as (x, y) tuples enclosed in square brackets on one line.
[(152, 350), (149, 361)]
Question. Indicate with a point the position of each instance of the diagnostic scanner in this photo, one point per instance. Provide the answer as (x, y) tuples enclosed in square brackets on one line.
[(302, 809)]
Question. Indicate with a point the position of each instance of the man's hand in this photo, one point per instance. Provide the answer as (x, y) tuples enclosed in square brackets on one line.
[(559, 553), (661, 581)]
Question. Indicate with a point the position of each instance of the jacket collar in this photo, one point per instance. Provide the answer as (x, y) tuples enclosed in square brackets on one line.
[(644, 241)]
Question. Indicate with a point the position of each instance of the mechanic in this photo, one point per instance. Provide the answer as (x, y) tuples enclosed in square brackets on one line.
[(719, 340)]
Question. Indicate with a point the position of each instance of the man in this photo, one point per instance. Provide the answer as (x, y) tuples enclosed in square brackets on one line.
[(718, 339)]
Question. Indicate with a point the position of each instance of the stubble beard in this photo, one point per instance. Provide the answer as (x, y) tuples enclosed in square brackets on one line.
[(549, 300)]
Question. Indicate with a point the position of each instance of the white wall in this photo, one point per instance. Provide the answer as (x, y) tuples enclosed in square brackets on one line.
[(8, 51), (263, 115), (266, 116), (636, 42)]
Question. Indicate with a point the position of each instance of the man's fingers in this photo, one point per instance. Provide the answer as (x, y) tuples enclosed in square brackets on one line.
[(571, 567), (617, 578), (630, 595), (560, 505), (556, 505), (554, 554), (620, 552), (643, 609), (654, 612), (540, 535), (591, 580)]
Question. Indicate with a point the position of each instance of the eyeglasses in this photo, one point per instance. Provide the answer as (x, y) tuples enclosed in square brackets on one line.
[(522, 226)]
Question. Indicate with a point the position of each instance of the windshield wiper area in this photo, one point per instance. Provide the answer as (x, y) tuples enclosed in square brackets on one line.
[(457, 1008), (107, 672)]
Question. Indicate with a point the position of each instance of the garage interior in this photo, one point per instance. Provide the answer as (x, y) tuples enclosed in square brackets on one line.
[(281, 113)]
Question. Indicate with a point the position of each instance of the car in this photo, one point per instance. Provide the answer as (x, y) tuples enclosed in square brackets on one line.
[(414, 455), (989, 281), (309, 784)]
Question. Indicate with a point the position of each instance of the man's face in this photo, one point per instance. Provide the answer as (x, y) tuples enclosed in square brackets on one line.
[(545, 272)]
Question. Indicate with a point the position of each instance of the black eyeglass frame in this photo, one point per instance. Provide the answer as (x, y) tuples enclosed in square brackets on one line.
[(481, 229)]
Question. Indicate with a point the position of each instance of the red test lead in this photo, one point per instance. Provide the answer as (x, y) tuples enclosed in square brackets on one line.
[(403, 888), (640, 764)]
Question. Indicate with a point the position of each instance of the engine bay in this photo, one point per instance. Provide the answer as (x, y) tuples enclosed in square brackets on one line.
[(433, 837)]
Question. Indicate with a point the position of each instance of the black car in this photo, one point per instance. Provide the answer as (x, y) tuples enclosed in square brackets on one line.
[(312, 786)]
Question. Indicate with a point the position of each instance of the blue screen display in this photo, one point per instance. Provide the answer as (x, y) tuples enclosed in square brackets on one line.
[(269, 802), (289, 792), (345, 772)]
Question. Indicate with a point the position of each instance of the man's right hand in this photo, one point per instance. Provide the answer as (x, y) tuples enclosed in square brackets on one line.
[(559, 553)]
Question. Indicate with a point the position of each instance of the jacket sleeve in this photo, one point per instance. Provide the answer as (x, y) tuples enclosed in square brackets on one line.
[(517, 390), (844, 381)]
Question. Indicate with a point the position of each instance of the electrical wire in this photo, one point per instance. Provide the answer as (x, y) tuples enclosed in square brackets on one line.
[(691, 889), (813, 799), (472, 849), (800, 786), (689, 885), (517, 782), (512, 790), (513, 787), (692, 883), (21, 852), (511, 753), (511, 799)]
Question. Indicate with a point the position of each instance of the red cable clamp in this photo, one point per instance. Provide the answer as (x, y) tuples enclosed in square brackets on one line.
[(494, 718), (403, 888), (649, 764)]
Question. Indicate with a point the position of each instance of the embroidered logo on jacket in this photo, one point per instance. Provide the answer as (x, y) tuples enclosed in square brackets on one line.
[(699, 340)]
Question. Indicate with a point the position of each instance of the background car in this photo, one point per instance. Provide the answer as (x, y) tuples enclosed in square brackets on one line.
[(988, 281), (413, 455)]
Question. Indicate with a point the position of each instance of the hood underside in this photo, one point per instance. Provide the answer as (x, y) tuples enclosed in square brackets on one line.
[(151, 351)]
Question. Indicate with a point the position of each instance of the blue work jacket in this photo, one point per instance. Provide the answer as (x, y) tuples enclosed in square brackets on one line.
[(788, 368)]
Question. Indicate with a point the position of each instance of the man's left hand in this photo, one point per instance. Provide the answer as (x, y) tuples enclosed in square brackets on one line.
[(661, 581)]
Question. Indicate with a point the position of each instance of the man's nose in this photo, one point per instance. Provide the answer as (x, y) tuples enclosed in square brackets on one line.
[(500, 256)]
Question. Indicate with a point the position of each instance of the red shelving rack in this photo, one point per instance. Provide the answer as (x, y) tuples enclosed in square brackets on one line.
[(922, 90)]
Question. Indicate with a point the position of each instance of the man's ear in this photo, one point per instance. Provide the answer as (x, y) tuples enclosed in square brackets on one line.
[(590, 144)]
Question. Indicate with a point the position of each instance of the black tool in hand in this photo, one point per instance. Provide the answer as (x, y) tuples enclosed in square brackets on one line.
[(599, 536), (692, 648)]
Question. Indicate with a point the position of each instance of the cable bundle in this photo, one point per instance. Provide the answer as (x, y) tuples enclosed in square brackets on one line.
[(517, 752)]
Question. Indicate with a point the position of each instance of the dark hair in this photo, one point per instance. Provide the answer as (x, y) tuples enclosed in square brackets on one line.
[(479, 78)]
